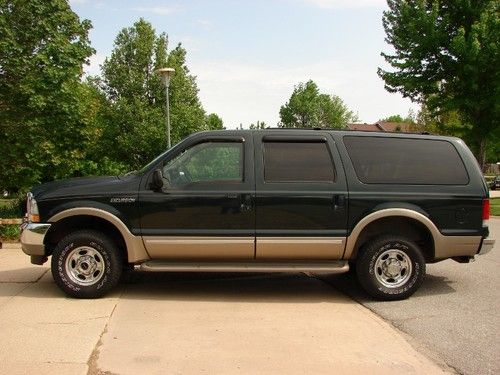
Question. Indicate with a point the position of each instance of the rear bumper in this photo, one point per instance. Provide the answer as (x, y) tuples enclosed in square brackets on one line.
[(32, 237), (486, 246)]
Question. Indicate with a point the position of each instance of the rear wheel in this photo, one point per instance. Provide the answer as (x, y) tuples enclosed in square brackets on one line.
[(86, 264), (390, 267)]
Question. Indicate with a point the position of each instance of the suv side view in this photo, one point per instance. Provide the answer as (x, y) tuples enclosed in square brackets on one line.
[(269, 200)]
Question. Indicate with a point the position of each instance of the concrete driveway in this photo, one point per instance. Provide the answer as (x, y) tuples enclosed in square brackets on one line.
[(194, 323)]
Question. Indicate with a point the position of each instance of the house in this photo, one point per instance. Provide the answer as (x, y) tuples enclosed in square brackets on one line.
[(383, 126)]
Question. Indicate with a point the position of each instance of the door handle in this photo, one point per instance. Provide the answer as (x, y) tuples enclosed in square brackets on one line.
[(245, 202), (338, 201)]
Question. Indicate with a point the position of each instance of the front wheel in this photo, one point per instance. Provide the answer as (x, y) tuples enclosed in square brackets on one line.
[(86, 264), (390, 268)]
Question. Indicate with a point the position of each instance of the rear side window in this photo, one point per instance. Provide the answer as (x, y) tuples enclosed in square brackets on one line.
[(383, 160), (297, 162)]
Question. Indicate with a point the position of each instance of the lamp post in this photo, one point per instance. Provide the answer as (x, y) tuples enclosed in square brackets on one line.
[(165, 74)]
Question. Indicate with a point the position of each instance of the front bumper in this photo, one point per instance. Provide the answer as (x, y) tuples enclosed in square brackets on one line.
[(32, 237), (486, 246)]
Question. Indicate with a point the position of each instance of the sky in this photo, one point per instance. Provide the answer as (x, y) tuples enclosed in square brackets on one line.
[(248, 55)]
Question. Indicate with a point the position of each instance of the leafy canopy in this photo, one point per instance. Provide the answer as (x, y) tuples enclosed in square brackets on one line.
[(214, 122), (446, 55), (308, 108), (137, 96), (43, 46)]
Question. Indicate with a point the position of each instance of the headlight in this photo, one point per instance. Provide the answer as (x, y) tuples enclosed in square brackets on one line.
[(32, 209)]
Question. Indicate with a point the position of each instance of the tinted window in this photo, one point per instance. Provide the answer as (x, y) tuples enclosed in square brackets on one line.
[(297, 162), (208, 162), (381, 160)]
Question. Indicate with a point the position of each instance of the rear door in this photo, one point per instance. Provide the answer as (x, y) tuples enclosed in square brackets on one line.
[(301, 196)]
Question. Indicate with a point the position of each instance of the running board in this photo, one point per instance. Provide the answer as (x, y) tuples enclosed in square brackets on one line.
[(162, 266)]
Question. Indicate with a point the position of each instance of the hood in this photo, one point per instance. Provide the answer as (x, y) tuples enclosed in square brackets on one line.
[(82, 187)]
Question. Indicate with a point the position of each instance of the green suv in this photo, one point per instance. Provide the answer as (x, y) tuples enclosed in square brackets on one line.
[(269, 200)]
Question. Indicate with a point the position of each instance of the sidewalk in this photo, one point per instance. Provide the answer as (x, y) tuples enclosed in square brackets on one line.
[(193, 323)]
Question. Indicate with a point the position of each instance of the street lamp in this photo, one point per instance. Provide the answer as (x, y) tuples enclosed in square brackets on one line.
[(165, 74)]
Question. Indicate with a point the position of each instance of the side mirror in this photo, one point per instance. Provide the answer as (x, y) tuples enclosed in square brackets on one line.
[(157, 180)]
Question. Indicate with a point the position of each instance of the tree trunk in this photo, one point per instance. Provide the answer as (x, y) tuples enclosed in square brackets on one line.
[(481, 154)]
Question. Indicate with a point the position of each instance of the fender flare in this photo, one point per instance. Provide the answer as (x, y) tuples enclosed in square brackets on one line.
[(135, 247), (440, 241)]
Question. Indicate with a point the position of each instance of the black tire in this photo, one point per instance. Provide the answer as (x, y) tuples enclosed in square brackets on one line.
[(390, 253), (86, 264)]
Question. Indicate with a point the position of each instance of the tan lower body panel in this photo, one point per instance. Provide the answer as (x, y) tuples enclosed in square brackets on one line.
[(200, 247), (245, 247), (450, 246), (300, 247)]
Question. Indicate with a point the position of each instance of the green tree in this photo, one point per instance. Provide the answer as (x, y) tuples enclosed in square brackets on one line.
[(187, 113), (43, 46), (394, 118), (137, 95), (97, 115), (214, 122), (447, 56), (446, 123), (259, 125), (308, 108)]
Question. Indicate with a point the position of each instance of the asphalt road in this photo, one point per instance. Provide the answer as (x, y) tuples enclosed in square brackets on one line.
[(455, 314)]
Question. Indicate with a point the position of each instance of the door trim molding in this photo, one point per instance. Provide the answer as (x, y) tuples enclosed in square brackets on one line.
[(299, 247), (203, 247)]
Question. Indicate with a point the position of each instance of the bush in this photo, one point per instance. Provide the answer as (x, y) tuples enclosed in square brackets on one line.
[(9, 232), (10, 208)]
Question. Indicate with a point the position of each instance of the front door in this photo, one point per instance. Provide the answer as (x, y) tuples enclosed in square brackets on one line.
[(205, 209)]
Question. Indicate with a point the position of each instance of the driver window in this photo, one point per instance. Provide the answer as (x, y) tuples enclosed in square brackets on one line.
[(208, 162)]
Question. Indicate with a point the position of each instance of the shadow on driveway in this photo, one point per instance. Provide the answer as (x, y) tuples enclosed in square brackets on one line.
[(348, 284), (196, 286), (269, 287)]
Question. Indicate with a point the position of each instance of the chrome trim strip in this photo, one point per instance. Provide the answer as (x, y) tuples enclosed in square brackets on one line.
[(330, 267), (486, 246), (32, 237)]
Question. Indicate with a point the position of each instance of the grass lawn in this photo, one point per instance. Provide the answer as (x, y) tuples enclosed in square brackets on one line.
[(495, 206)]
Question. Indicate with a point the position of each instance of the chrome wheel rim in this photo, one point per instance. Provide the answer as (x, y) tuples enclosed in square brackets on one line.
[(393, 268), (85, 265)]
